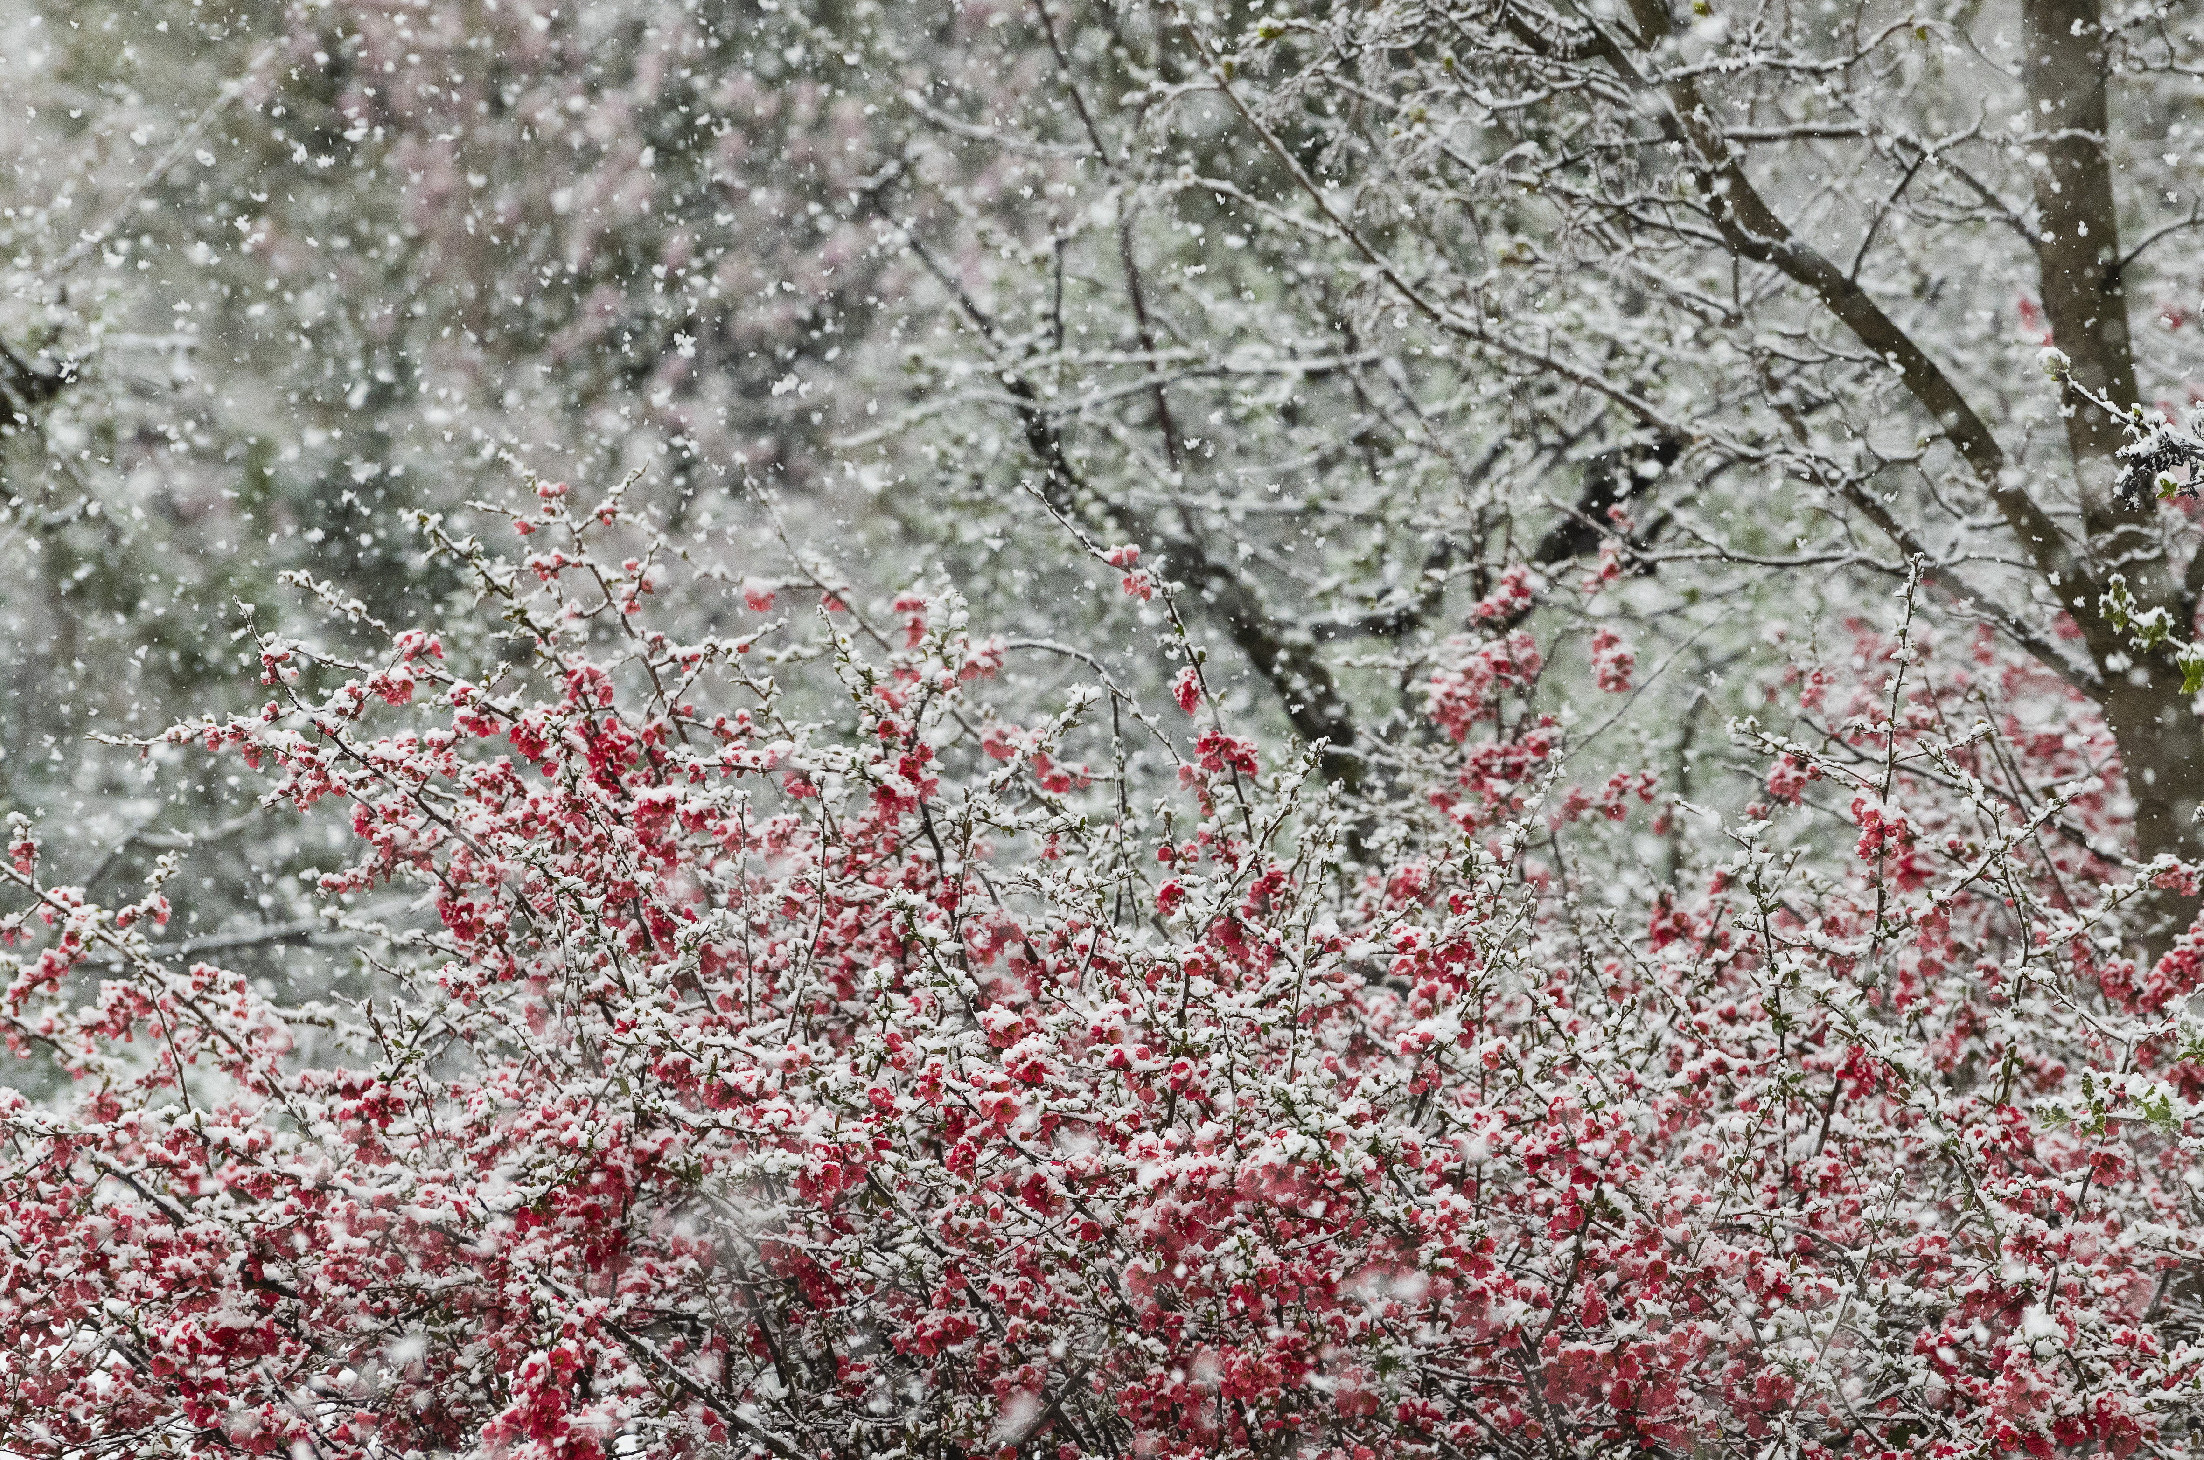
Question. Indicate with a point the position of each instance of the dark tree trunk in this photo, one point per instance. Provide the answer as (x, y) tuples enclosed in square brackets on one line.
[(2078, 252)]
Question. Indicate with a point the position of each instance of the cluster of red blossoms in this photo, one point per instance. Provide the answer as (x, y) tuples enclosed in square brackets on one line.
[(756, 1087)]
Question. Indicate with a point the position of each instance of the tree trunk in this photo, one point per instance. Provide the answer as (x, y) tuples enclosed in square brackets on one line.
[(2078, 252), (2161, 745)]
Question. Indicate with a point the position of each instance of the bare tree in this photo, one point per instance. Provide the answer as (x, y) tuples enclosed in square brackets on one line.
[(1799, 260)]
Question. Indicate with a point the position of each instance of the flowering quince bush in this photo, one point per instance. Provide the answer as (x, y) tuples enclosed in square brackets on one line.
[(894, 1085)]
